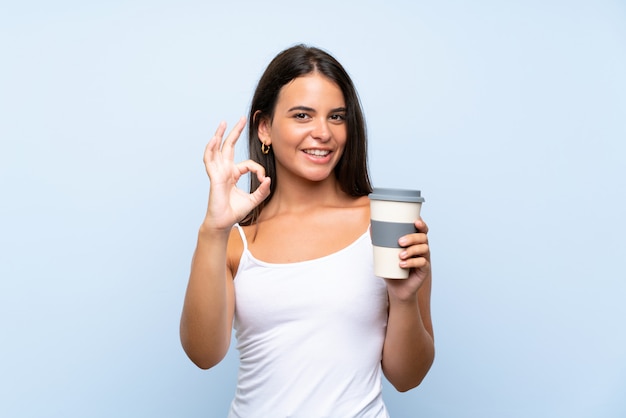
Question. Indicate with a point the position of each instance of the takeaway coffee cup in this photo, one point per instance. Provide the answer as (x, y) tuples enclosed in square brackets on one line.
[(393, 213)]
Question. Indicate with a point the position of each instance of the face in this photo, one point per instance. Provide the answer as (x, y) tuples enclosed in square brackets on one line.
[(308, 133)]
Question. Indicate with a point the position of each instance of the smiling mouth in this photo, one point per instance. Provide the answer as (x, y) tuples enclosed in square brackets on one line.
[(317, 152)]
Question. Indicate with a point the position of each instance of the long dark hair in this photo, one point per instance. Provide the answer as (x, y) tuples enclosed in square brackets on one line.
[(351, 170)]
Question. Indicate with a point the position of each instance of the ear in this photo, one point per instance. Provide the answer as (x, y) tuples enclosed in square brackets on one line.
[(264, 128)]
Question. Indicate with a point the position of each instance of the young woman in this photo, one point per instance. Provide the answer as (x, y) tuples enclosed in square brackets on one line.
[(289, 265)]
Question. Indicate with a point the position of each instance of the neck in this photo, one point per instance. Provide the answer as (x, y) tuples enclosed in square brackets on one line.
[(296, 196)]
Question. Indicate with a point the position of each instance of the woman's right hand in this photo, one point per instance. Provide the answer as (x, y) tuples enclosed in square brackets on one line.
[(227, 203)]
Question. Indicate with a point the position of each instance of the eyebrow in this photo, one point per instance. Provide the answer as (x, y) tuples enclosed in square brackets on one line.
[(310, 109)]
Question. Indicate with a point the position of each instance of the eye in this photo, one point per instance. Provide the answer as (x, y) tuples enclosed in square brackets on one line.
[(300, 116), (338, 117)]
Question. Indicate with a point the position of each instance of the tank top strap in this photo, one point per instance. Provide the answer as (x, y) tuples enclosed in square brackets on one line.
[(243, 237)]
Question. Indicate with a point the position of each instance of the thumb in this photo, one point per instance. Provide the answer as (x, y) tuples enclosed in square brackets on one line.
[(262, 192)]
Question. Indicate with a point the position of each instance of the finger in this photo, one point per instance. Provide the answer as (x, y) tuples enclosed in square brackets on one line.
[(261, 193), (421, 226), (228, 148), (419, 250), (413, 239), (415, 262), (221, 128), (250, 166), (214, 143)]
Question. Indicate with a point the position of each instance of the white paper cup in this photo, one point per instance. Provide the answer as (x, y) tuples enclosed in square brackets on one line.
[(393, 213)]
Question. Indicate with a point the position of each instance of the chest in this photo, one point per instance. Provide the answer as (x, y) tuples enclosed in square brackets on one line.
[(296, 239), (327, 292)]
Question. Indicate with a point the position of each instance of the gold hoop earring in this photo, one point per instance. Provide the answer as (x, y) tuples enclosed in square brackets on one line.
[(265, 149)]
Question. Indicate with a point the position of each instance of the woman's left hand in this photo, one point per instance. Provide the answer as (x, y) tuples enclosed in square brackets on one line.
[(416, 257)]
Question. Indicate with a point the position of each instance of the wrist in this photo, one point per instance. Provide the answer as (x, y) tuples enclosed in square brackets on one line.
[(404, 299), (208, 229)]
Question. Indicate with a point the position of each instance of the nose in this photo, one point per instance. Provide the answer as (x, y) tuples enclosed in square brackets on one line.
[(321, 130)]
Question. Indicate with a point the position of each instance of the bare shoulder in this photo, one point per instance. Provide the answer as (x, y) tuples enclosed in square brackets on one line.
[(363, 203), (356, 208), (353, 211)]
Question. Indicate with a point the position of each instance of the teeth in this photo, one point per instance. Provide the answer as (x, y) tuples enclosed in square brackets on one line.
[(317, 152)]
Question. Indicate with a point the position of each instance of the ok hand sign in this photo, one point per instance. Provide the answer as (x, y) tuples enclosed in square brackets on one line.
[(228, 204)]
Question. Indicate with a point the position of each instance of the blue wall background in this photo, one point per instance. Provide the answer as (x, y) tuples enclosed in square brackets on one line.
[(510, 116)]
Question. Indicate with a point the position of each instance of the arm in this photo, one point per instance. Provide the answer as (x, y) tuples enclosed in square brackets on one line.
[(209, 306), (409, 349)]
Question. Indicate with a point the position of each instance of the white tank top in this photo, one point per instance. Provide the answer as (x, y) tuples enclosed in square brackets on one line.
[(310, 336)]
